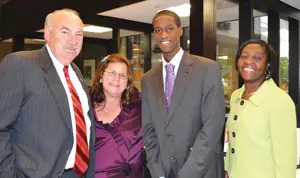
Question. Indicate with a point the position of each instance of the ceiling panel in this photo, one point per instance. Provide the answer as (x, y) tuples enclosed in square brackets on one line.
[(294, 3)]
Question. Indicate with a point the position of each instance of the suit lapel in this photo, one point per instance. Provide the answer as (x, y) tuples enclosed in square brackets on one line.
[(180, 84), (159, 87), (58, 92)]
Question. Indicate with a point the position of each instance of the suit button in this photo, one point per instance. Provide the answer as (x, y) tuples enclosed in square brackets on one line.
[(233, 134), (173, 158), (235, 117), (232, 150), (242, 102), (169, 135)]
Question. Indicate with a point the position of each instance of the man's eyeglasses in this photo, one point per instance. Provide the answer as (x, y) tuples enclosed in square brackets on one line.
[(113, 74)]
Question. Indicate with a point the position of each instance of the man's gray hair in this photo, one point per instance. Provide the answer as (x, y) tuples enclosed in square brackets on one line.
[(49, 18)]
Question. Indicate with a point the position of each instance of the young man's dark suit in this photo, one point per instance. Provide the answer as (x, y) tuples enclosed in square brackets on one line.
[(35, 123), (186, 141)]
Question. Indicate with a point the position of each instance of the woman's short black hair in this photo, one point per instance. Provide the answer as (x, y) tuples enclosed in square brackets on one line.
[(269, 50)]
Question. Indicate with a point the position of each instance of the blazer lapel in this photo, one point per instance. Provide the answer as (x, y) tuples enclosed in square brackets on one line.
[(56, 87), (180, 84), (159, 87)]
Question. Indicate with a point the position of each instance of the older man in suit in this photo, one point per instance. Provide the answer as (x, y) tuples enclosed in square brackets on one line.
[(182, 109), (46, 123)]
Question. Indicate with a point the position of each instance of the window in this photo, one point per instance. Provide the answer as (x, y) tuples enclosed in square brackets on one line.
[(227, 45), (284, 55)]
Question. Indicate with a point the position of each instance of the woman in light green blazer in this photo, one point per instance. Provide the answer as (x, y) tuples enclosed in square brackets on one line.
[(262, 120)]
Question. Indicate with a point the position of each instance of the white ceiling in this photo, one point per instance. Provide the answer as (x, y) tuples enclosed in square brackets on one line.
[(142, 11), (294, 3), (145, 10)]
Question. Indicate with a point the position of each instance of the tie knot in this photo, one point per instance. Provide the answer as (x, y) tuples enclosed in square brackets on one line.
[(169, 68), (66, 68), (66, 72)]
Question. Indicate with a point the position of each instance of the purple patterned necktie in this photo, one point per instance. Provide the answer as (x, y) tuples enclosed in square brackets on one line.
[(169, 83)]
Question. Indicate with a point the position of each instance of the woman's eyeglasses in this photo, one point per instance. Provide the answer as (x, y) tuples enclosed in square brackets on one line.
[(114, 74)]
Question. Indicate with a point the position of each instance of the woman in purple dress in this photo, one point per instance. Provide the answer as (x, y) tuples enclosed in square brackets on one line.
[(117, 108)]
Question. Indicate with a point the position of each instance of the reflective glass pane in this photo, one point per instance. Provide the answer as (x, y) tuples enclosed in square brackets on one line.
[(132, 46), (260, 25), (155, 52), (227, 45), (284, 55)]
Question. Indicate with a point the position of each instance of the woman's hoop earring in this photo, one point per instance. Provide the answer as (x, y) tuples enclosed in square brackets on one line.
[(268, 72)]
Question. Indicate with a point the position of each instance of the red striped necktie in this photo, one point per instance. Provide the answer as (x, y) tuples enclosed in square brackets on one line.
[(82, 151)]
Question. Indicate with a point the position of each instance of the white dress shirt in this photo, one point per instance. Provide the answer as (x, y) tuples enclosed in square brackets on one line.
[(83, 100)]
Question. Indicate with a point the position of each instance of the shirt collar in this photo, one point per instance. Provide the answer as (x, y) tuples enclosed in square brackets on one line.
[(175, 60), (56, 63), (261, 93)]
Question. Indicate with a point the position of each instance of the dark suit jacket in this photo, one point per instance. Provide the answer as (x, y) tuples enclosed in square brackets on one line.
[(185, 141), (35, 123)]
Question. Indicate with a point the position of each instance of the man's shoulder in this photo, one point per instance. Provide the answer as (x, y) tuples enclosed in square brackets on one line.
[(153, 70), (24, 55), (21, 58), (201, 59), (202, 63)]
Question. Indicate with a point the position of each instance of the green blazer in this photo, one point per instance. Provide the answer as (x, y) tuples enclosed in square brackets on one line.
[(262, 134)]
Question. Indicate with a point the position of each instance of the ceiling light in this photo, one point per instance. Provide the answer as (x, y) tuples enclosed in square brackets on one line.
[(95, 29), (90, 28), (8, 40), (34, 41), (39, 40), (182, 10), (223, 57)]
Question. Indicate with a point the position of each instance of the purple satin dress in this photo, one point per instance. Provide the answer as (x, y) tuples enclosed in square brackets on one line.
[(119, 145)]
